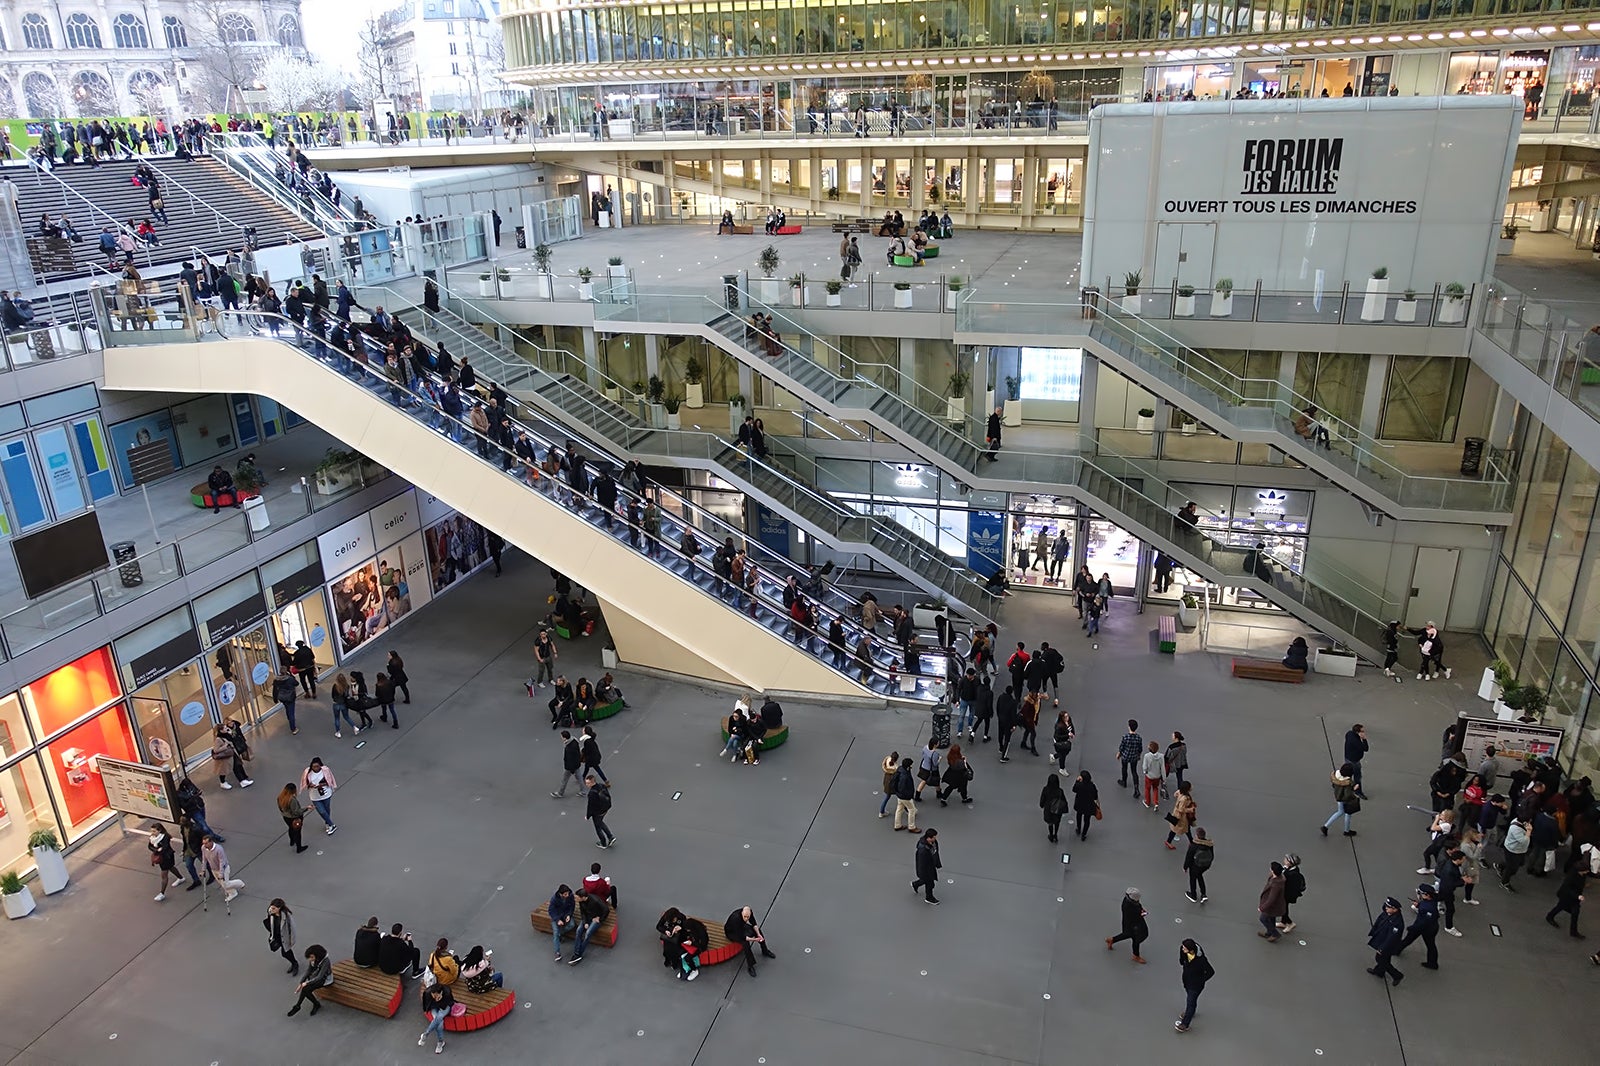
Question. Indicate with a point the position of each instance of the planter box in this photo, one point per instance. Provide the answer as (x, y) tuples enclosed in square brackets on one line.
[(694, 395), (1186, 615), (486, 289), (586, 290), (1221, 306), (956, 408), (1376, 301), (902, 297), (337, 480), (1452, 312), (1132, 304), (1337, 663), (658, 415), (1183, 306), (1145, 424), (1488, 688), (614, 395), (605, 220), (1405, 311), (835, 299), (1012, 413), (608, 658), (951, 298), (1506, 246), (544, 286), (52, 870), (769, 290), (1189, 429), (1503, 712), (619, 279), (674, 420), (19, 905), (797, 295)]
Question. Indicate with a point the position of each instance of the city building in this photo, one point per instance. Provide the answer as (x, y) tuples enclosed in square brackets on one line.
[(444, 54)]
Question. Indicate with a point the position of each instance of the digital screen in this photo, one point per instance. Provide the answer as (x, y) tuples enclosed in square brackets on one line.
[(1052, 374)]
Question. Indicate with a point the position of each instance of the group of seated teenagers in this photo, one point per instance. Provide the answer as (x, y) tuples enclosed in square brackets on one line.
[(776, 220), (581, 913), (395, 954), (573, 704), (746, 730), (684, 939)]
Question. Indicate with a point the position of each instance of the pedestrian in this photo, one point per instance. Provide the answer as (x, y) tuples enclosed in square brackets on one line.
[(1053, 802), (928, 864), (1425, 926), (285, 691), (437, 1000), (1028, 716), (305, 664), (1196, 972), (905, 798), (1134, 927), (544, 654), (217, 866), (1391, 650), (571, 760), (599, 804), (1178, 758), (1443, 836), (293, 813), (1518, 839), (1569, 898), (317, 782), (383, 693), (982, 708), (1181, 817), (1447, 781), (991, 435), (1344, 798), (1270, 907), (1294, 886), (1061, 738), (241, 751), (1005, 707), (319, 972), (398, 676), (1196, 861), (1355, 748), (1430, 643), (193, 839), (1471, 848), (891, 765), (279, 923), (1449, 878), (1129, 750), (223, 755), (1153, 767), (957, 776), (1085, 802), (163, 858), (928, 769), (591, 755), (339, 696), (1387, 932)]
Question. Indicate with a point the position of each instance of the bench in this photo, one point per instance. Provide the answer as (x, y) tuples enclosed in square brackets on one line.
[(768, 742), (605, 936), (853, 227), (718, 949), (930, 252), (200, 496), (605, 710), (1167, 634), (1266, 670), (371, 990), (740, 228), (483, 1008), (906, 261), (787, 231)]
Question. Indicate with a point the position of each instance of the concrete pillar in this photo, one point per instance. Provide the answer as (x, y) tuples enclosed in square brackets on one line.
[(1372, 396), (591, 358), (652, 356), (1086, 399), (1030, 181), (908, 369)]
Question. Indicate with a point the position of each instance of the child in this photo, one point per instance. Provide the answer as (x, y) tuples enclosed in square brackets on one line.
[(1097, 607)]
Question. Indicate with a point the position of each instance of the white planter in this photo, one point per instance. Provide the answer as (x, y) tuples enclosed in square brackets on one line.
[(951, 298), (735, 417), (1453, 311), (797, 295), (1507, 246), (608, 658), (1540, 222), (619, 280), (1337, 663), (1488, 688), (1132, 304), (769, 290), (1221, 306), (1503, 712), (988, 401), (956, 408), (694, 394), (52, 870), (614, 395), (1183, 306), (1186, 615), (1011, 415), (486, 288), (544, 285), (1190, 428), (902, 297), (1145, 424), (1405, 311), (835, 299), (658, 415), (605, 220), (336, 480), (586, 290), (20, 904), (674, 420), (1376, 300)]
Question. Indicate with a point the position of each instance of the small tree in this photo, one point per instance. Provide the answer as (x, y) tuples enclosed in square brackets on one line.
[(768, 260), (542, 255)]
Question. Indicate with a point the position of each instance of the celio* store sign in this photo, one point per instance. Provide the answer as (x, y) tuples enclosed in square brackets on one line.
[(1298, 193)]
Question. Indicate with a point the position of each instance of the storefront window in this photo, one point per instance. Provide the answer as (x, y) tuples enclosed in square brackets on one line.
[(13, 730), (69, 692), (1523, 74), (1471, 73), (74, 777), (24, 807), (307, 620), (241, 676)]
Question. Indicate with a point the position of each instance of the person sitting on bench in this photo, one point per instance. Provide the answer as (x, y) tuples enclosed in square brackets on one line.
[(479, 973), (695, 939), (737, 723), (568, 614), (772, 715), (397, 955), (1297, 655), (726, 225), (899, 249), (561, 703), (592, 913), (1310, 427), (607, 692), (369, 945), (599, 885), (946, 226), (755, 729), (919, 241), (670, 928), (743, 929), (562, 908), (583, 700)]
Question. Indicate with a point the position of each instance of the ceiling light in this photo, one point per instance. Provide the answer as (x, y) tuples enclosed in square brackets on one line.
[(1570, 29), (1435, 36), (1413, 36), (1320, 44), (1338, 40)]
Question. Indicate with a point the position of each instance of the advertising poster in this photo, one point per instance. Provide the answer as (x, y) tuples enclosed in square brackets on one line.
[(413, 569), (986, 542), (1514, 742), (136, 789), (138, 435), (455, 549), (772, 529), (358, 608)]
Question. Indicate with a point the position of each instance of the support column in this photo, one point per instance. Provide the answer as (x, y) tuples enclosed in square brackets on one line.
[(1286, 373), (652, 356), (1372, 396), (591, 358), (908, 369), (971, 193), (1030, 181), (1090, 383)]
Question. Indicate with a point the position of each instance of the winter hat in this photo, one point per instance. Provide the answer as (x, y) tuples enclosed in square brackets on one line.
[(1133, 894)]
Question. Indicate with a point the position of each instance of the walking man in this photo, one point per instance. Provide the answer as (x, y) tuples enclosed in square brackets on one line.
[(1196, 972), (1384, 940), (1271, 906), (905, 794), (591, 756), (1134, 927), (599, 804), (1425, 926), (1005, 708), (928, 863), (571, 759), (1355, 747), (544, 653), (1129, 750), (1569, 898)]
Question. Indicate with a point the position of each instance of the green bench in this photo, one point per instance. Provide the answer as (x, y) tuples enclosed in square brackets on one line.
[(1167, 634), (906, 261), (605, 710), (931, 252), (772, 740)]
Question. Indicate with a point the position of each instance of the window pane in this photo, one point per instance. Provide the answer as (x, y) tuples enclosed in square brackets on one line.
[(1422, 398), (1336, 383), (13, 728), (1513, 635), (1569, 535), (70, 768), (24, 807), (71, 691)]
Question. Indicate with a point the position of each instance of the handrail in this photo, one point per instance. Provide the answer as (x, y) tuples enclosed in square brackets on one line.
[(1546, 341), (94, 210), (242, 152), (166, 179)]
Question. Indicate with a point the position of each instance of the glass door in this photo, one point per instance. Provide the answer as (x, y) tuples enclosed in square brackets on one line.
[(1110, 549)]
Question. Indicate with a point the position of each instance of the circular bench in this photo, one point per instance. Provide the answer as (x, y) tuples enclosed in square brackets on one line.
[(483, 1008), (605, 710), (200, 496), (772, 740)]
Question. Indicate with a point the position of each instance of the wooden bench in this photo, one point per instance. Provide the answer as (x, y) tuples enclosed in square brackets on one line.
[(768, 742), (1167, 634), (853, 227), (483, 1008), (605, 936), (745, 229), (371, 990), (1266, 670), (787, 231)]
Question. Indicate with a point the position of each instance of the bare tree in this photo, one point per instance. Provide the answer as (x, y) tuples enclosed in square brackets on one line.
[(229, 51), (376, 45), (295, 84)]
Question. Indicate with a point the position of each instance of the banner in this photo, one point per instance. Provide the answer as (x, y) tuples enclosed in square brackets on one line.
[(772, 530), (986, 547)]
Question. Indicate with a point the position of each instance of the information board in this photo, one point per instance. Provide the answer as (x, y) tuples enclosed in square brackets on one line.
[(1514, 742), (140, 790)]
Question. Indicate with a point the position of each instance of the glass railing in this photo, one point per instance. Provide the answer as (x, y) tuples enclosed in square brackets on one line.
[(55, 333), (1564, 353), (249, 156), (1345, 305)]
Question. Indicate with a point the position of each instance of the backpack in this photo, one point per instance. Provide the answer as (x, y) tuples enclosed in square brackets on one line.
[(1294, 884), (1202, 861), (605, 799)]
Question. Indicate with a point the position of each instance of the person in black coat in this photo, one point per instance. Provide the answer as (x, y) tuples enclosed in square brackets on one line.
[(928, 865), (305, 667), (670, 928), (1053, 802), (1298, 655), (1569, 898), (571, 759), (1085, 801), (599, 805), (983, 708), (1005, 708), (1384, 939), (1196, 972), (991, 435), (1134, 927), (1355, 749), (743, 929), (1426, 925)]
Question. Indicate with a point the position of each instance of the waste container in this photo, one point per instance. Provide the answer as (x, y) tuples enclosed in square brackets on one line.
[(255, 512), (522, 237), (1472, 456), (941, 727), (126, 553), (730, 292), (1091, 301)]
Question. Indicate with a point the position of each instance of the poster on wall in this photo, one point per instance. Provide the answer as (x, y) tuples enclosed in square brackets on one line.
[(358, 609), (455, 548), (985, 542), (144, 448), (1514, 742), (413, 564), (136, 789), (204, 428), (772, 529)]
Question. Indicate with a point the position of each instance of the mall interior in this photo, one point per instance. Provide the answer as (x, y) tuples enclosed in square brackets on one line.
[(1140, 350)]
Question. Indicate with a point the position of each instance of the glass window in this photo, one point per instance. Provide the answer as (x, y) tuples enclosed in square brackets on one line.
[(1422, 398), (69, 766), (1571, 519), (226, 610), (1052, 374), (24, 807), (157, 647), (57, 405), (1334, 382), (1511, 641), (1533, 534), (69, 692), (14, 736)]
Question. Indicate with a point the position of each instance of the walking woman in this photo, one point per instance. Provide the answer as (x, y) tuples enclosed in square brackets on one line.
[(318, 783), (891, 764), (1053, 802), (294, 815), (319, 971), (1133, 924), (1085, 802), (279, 924), (957, 775), (1178, 759), (161, 857), (1196, 861), (339, 696), (383, 692), (1182, 816), (1345, 801), (1061, 740), (1391, 650), (398, 676)]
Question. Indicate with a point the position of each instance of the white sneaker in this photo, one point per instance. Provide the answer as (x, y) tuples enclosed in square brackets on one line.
[(246, 782), (1453, 932), (230, 895), (423, 1039), (338, 735), (1419, 677), (357, 731), (438, 1049), (1447, 671), (1423, 870), (160, 896), (227, 787), (1471, 902)]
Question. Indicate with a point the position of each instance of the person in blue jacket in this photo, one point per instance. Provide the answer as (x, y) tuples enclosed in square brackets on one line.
[(1384, 939), (1425, 925)]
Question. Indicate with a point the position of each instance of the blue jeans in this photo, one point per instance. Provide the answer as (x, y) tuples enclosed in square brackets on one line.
[(884, 806), (388, 709), (733, 742), (288, 712), (1338, 809), (585, 931), (555, 934), (1094, 625), (436, 1024), (1191, 996), (340, 710), (596, 771), (200, 821), (325, 808), (964, 716)]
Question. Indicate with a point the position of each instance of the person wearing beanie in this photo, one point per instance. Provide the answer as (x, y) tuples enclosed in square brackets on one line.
[(1425, 925), (1133, 924), (1384, 940), (1272, 906)]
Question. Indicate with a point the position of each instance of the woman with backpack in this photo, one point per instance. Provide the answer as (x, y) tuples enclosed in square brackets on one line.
[(1061, 740), (1294, 886), (1053, 802), (1178, 759), (1196, 861)]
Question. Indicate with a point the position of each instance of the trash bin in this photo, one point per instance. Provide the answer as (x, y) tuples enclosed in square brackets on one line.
[(255, 512), (730, 292), (522, 237), (1472, 456), (126, 553), (941, 727), (1091, 301)]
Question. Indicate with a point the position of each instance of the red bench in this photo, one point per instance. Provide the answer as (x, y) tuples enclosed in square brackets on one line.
[(483, 1008), (787, 231)]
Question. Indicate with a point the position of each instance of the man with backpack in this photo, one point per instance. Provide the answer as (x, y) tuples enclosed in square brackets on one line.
[(599, 805), (1294, 886), (905, 794)]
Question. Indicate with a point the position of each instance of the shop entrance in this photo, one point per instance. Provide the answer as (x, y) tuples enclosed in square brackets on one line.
[(305, 619), (241, 675), (1110, 549), (175, 717)]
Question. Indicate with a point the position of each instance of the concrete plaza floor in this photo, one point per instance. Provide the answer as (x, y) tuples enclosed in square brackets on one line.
[(448, 826)]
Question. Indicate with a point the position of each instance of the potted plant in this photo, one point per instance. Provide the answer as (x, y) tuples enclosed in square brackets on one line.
[(834, 287), (736, 411), (797, 289), (768, 260), (1454, 309), (1508, 237), (612, 390), (672, 401), (1188, 608), (585, 286), (1183, 303), (694, 393), (486, 286), (1147, 420), (1527, 701), (1376, 300), (1011, 412), (338, 470), (1222, 298), (542, 255), (1502, 704), (655, 394), (1406, 309), (618, 274), (902, 294), (1494, 679), (957, 407), (1188, 426), (46, 852), (951, 288), (18, 900), (1130, 289)]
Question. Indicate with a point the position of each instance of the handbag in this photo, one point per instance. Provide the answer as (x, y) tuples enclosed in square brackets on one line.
[(1097, 812), (1172, 819), (1352, 805)]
